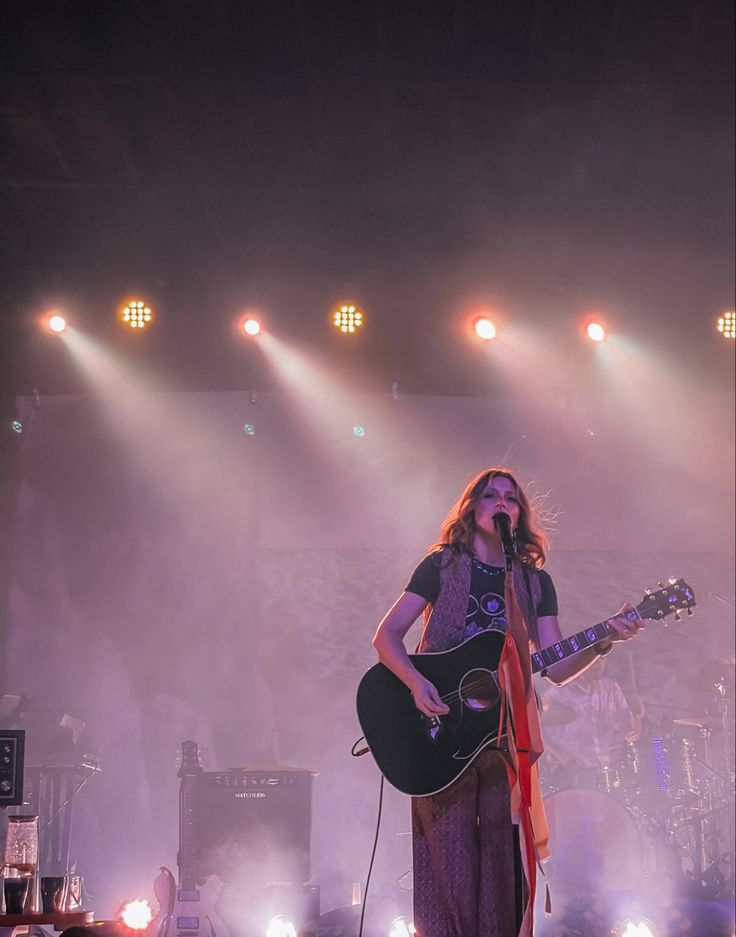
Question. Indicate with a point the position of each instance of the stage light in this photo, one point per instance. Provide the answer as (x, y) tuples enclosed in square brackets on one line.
[(727, 324), (637, 928), (401, 927), (359, 431), (136, 314), (484, 329), (252, 327), (347, 318), (595, 331), (16, 426), (249, 429), (137, 915), (57, 323), (279, 926)]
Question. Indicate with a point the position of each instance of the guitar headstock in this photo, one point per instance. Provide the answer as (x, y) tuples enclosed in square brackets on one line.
[(669, 599), (189, 763)]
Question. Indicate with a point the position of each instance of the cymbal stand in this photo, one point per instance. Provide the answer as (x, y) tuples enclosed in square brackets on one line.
[(716, 799), (727, 722)]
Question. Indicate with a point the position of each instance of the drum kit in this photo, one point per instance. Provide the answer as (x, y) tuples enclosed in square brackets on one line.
[(659, 809)]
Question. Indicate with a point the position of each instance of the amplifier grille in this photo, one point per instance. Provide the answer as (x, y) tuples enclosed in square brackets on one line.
[(246, 825)]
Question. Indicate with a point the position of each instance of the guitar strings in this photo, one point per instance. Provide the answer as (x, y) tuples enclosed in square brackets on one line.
[(478, 684), (473, 685)]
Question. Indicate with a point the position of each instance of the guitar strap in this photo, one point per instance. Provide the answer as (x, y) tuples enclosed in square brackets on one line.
[(519, 719)]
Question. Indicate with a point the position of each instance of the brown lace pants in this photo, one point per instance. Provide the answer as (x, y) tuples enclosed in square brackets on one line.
[(467, 872)]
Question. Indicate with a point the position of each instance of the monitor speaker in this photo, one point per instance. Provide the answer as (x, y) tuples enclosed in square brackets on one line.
[(12, 746)]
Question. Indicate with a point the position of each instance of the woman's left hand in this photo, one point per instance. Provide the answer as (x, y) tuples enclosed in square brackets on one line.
[(627, 624)]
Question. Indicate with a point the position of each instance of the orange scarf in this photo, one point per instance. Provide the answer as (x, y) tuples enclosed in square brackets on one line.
[(519, 720)]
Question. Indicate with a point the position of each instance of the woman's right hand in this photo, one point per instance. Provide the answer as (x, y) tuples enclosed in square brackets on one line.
[(426, 697)]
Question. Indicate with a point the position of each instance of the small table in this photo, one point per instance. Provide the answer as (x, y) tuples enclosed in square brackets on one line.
[(13, 925)]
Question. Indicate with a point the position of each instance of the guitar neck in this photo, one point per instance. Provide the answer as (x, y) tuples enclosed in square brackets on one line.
[(569, 646)]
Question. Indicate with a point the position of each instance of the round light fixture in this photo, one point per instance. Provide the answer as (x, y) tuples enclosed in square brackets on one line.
[(484, 328), (252, 327), (280, 926), (402, 927), (595, 331), (136, 314), (637, 928), (347, 318), (137, 915), (727, 324)]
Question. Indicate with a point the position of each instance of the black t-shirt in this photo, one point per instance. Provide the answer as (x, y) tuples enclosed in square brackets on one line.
[(486, 605)]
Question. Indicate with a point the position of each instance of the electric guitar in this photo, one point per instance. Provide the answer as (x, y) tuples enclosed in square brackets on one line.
[(188, 910), (422, 756)]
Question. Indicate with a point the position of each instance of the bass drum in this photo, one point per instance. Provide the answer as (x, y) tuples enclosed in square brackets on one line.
[(593, 840)]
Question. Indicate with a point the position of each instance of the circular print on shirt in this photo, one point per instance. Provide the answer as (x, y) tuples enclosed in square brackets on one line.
[(472, 606), (494, 605)]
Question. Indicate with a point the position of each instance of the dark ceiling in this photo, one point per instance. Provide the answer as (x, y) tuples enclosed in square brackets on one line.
[(543, 156)]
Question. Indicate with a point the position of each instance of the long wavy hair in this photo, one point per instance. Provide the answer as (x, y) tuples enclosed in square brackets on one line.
[(458, 528)]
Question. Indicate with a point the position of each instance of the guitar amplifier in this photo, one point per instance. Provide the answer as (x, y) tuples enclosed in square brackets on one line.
[(250, 825)]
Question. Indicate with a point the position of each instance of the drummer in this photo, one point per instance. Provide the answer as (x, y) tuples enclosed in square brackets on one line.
[(586, 725)]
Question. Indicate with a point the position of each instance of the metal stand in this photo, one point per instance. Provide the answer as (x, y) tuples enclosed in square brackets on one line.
[(728, 767), (50, 793)]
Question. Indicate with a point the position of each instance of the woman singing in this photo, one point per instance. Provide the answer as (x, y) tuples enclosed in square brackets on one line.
[(468, 853)]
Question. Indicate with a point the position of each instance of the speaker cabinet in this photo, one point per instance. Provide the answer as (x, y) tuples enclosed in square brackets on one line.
[(12, 745), (247, 825)]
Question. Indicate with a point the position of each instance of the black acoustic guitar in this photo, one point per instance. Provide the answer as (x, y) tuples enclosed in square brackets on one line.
[(422, 756)]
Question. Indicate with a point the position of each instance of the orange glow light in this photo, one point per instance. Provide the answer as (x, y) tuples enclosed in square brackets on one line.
[(137, 915), (347, 318), (727, 324), (252, 327), (595, 332), (136, 314), (484, 328)]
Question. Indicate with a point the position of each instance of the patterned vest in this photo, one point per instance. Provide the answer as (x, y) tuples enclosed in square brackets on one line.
[(444, 622)]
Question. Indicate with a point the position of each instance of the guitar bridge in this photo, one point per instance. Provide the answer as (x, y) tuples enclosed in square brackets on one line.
[(435, 727)]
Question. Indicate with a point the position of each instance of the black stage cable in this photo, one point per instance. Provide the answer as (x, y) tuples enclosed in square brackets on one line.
[(373, 856), (361, 751)]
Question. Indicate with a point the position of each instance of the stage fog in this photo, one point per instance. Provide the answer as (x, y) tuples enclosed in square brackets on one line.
[(213, 566)]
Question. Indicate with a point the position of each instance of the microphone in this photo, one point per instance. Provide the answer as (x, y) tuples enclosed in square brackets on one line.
[(502, 523)]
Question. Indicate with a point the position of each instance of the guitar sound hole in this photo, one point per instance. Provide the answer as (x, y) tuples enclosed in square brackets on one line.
[(478, 690)]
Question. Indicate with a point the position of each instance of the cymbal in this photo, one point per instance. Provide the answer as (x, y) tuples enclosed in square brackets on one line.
[(557, 714), (703, 721)]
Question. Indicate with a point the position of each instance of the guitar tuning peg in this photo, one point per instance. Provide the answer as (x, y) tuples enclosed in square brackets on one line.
[(647, 592), (678, 616), (661, 585), (672, 580), (689, 613)]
